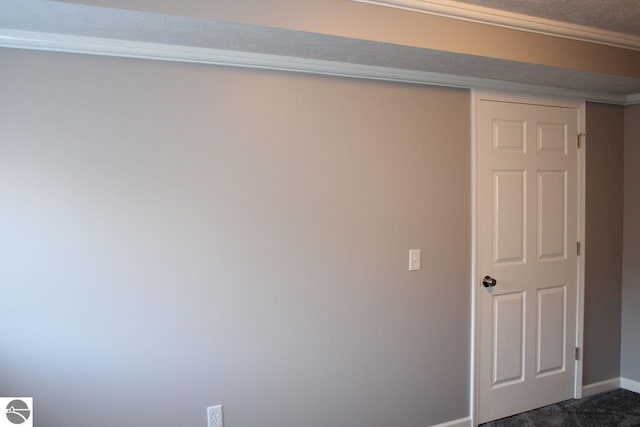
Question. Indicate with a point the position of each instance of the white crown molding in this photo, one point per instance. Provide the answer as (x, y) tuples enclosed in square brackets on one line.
[(633, 99), (516, 21), (166, 52)]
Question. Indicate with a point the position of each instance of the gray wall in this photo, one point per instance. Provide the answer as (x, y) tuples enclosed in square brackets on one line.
[(603, 263), (175, 236), (631, 272)]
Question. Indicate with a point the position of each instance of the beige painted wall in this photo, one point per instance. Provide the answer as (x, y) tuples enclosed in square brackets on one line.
[(631, 273), (179, 235), (603, 272), (364, 21)]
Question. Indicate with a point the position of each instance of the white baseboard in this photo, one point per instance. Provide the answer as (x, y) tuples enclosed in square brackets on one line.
[(630, 385), (461, 422), (612, 384), (600, 387)]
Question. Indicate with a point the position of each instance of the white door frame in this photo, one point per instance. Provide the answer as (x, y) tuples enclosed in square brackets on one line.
[(580, 105)]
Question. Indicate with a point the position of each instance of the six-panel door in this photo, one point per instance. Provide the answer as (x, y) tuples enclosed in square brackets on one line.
[(527, 211)]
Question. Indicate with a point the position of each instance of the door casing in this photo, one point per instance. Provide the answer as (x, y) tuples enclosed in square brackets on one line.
[(580, 106)]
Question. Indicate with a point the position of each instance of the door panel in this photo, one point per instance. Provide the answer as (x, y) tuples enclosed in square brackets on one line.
[(508, 338), (552, 138), (551, 332), (552, 212), (527, 213), (509, 136), (509, 216)]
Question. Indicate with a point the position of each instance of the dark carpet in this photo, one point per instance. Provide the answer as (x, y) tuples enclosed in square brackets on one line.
[(613, 408)]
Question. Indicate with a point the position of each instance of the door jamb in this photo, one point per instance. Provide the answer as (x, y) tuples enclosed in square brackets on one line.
[(580, 106), (582, 187)]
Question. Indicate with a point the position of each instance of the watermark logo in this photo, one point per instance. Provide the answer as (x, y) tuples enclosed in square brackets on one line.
[(18, 411)]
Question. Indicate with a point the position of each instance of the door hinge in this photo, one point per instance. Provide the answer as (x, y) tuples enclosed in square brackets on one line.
[(579, 139), (577, 353), (578, 248)]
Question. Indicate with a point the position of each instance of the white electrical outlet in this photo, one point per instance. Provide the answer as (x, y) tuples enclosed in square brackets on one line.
[(414, 260), (214, 416)]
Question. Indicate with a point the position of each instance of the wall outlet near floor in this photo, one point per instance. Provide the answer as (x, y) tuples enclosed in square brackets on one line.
[(214, 416)]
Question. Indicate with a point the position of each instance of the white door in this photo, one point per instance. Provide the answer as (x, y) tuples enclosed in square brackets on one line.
[(527, 231)]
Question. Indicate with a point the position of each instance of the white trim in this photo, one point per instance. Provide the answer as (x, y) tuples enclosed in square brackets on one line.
[(166, 52), (580, 291), (580, 106), (461, 422), (516, 21), (633, 99), (582, 209), (600, 387), (630, 385), (473, 397), (534, 99), (611, 384)]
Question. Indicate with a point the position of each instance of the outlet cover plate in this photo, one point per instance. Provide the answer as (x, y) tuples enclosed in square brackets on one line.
[(415, 260), (214, 416)]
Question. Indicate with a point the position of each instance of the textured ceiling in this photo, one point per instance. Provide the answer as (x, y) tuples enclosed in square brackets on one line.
[(622, 16)]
